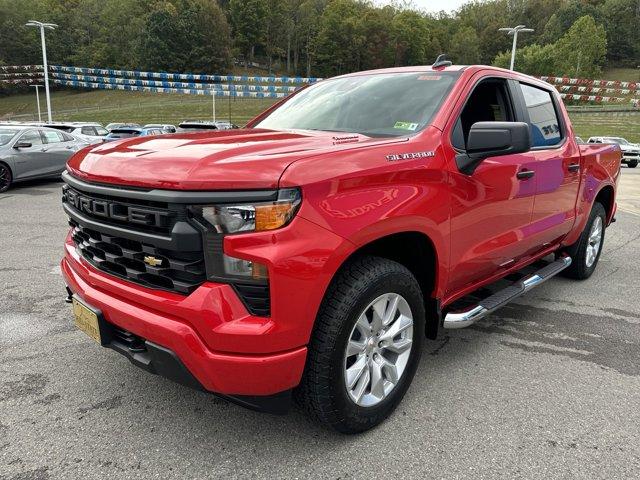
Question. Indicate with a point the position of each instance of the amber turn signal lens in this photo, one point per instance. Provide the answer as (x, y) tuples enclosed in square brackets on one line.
[(270, 217)]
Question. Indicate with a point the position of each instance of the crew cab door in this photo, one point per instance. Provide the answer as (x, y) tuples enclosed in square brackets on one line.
[(29, 161), (491, 207), (58, 147), (555, 159)]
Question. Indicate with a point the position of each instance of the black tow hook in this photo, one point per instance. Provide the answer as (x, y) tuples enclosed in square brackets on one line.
[(69, 298)]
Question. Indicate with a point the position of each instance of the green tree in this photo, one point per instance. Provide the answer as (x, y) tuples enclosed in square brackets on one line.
[(622, 24), (339, 40), (248, 25), (532, 60), (465, 47), (581, 51), (412, 40)]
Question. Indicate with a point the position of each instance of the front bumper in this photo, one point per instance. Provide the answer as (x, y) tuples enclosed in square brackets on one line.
[(158, 317)]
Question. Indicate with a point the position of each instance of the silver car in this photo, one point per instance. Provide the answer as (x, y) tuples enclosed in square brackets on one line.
[(28, 152)]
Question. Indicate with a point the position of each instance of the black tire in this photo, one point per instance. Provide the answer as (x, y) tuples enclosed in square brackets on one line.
[(323, 392), (579, 269), (5, 177), (632, 164)]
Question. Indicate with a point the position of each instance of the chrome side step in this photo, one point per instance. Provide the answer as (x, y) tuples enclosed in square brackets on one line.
[(501, 298)]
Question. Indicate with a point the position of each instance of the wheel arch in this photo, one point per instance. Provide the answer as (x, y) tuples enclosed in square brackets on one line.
[(606, 197), (418, 253)]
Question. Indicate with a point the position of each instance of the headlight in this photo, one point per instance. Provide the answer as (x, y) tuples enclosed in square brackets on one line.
[(257, 217), (216, 221)]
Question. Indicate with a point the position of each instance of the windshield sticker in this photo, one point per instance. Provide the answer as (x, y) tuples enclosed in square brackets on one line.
[(409, 156), (406, 126)]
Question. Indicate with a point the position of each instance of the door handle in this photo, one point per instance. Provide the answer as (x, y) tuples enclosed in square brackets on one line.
[(574, 167), (525, 174)]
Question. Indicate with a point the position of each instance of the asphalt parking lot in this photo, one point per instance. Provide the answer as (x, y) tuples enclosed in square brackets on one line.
[(547, 387)]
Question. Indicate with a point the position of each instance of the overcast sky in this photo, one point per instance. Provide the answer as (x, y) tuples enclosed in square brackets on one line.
[(432, 5)]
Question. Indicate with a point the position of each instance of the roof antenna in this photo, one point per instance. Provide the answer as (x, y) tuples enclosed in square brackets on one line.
[(441, 61)]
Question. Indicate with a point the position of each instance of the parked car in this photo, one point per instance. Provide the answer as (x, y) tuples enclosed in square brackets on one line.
[(167, 128), (28, 152), (190, 125), (89, 132), (579, 140), (316, 248), (128, 132), (112, 126), (630, 151)]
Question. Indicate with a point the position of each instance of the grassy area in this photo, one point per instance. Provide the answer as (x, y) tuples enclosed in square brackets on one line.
[(622, 74), (119, 106), (619, 124), (106, 106)]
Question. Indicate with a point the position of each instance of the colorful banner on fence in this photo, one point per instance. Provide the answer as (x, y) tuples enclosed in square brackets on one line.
[(185, 91), (189, 77), (12, 68), (616, 91), (599, 99), (591, 83), (167, 84)]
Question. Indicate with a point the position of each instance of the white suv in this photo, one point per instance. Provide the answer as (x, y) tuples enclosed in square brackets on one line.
[(86, 131), (630, 151)]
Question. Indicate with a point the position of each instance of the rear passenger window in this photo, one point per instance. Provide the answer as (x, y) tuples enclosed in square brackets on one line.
[(53, 137), (545, 125), (88, 131)]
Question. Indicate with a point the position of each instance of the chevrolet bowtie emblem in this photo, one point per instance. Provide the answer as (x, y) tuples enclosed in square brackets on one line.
[(153, 261)]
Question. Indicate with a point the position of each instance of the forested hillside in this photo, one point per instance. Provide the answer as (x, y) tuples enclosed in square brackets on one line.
[(321, 37)]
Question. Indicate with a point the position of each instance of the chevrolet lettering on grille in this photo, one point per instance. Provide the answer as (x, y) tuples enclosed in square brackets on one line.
[(114, 210)]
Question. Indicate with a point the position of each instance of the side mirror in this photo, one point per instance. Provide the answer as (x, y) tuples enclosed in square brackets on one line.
[(20, 145), (492, 139)]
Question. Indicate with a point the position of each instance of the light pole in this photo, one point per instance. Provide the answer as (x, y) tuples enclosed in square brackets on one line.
[(514, 31), (42, 26), (38, 101)]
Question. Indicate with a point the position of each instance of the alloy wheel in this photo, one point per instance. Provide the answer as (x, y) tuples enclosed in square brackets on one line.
[(5, 178), (378, 349), (594, 242)]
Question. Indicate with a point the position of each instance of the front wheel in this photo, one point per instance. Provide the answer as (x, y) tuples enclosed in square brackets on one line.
[(5, 177), (585, 253), (365, 347)]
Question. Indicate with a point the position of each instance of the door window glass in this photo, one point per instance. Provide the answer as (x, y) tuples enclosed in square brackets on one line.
[(89, 131), (32, 137), (545, 126), (53, 137), (489, 102)]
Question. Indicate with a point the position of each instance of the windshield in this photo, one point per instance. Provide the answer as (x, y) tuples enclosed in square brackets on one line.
[(388, 104), (618, 140), (6, 134)]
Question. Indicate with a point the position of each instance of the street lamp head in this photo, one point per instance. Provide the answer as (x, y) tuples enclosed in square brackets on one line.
[(35, 23)]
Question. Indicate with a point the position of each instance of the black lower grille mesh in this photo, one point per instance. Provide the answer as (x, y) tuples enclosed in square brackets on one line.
[(256, 298), (181, 272)]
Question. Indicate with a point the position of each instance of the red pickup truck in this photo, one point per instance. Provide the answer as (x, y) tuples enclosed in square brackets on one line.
[(309, 254)]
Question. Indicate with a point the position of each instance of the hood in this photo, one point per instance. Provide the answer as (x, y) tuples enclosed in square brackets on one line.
[(629, 148), (230, 159)]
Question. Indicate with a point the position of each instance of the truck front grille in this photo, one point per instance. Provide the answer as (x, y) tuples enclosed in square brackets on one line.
[(142, 263)]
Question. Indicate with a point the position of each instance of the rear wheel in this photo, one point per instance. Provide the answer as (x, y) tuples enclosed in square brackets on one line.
[(5, 177), (365, 347), (585, 253), (632, 164)]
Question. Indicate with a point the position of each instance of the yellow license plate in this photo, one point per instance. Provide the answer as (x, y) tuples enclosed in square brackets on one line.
[(86, 320)]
